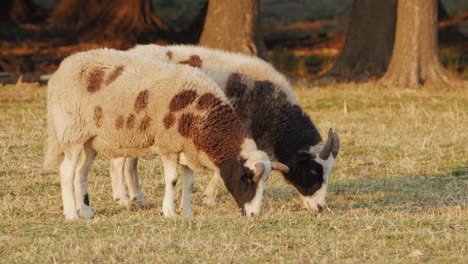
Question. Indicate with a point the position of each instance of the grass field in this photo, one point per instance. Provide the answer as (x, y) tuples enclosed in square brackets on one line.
[(397, 195)]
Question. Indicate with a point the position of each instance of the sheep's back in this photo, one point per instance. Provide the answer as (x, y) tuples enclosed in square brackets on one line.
[(123, 102)]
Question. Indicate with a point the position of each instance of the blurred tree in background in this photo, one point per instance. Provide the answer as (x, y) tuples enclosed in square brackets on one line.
[(122, 22), (415, 60), (303, 37), (369, 41), (234, 26), (20, 11)]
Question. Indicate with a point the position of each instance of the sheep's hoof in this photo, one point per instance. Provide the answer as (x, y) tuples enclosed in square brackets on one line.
[(168, 212), (186, 212), (71, 216), (141, 202), (86, 212), (138, 203), (122, 200)]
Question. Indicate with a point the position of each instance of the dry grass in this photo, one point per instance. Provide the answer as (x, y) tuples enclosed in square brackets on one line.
[(397, 195)]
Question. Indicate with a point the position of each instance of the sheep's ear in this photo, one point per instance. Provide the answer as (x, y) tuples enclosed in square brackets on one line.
[(279, 167), (332, 146), (304, 155), (259, 170)]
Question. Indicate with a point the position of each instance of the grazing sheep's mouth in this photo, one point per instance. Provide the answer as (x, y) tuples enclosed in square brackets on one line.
[(244, 213)]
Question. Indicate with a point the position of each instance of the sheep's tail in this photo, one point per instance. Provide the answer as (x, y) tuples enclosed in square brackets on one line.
[(54, 154)]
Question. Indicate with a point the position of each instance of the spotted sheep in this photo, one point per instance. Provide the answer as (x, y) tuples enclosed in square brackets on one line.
[(124, 105), (265, 103)]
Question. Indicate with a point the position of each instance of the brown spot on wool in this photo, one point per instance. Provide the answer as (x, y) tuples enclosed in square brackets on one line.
[(141, 101), (114, 74), (174, 183), (169, 120), (234, 86), (130, 121), (188, 124), (193, 61), (98, 116), (94, 80), (169, 54), (119, 122), (208, 101), (145, 123), (182, 100), (222, 135)]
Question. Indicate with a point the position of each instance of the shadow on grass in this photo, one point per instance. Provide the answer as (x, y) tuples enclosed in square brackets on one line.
[(413, 193)]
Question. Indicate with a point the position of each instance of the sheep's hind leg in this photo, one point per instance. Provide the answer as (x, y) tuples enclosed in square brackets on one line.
[(170, 179), (67, 175), (134, 187), (117, 173), (187, 181), (87, 157), (211, 190)]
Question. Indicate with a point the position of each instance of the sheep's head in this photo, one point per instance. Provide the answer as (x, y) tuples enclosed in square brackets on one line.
[(245, 178), (310, 171)]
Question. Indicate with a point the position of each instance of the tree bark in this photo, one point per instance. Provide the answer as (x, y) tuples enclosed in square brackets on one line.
[(415, 59), (121, 23), (20, 11), (369, 42), (74, 15), (234, 26)]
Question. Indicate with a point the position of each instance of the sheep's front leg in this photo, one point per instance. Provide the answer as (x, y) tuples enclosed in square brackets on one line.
[(170, 179), (118, 181), (187, 181), (134, 188), (67, 175), (211, 190), (87, 157)]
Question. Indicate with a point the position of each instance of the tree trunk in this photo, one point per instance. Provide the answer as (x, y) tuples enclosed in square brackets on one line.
[(415, 59), (234, 26), (369, 42), (74, 15), (126, 22), (20, 11), (121, 23)]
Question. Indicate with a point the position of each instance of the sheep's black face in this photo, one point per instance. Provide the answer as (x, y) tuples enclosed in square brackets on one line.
[(239, 181), (305, 173)]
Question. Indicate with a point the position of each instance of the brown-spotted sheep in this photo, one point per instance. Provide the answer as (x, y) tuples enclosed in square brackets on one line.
[(264, 101), (124, 105)]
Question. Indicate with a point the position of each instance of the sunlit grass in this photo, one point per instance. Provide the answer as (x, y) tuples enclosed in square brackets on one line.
[(397, 194)]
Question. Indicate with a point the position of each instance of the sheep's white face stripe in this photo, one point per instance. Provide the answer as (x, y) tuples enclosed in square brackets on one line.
[(317, 200), (252, 157), (253, 207)]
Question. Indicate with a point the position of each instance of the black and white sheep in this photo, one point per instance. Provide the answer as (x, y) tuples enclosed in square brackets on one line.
[(265, 102), (124, 105)]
